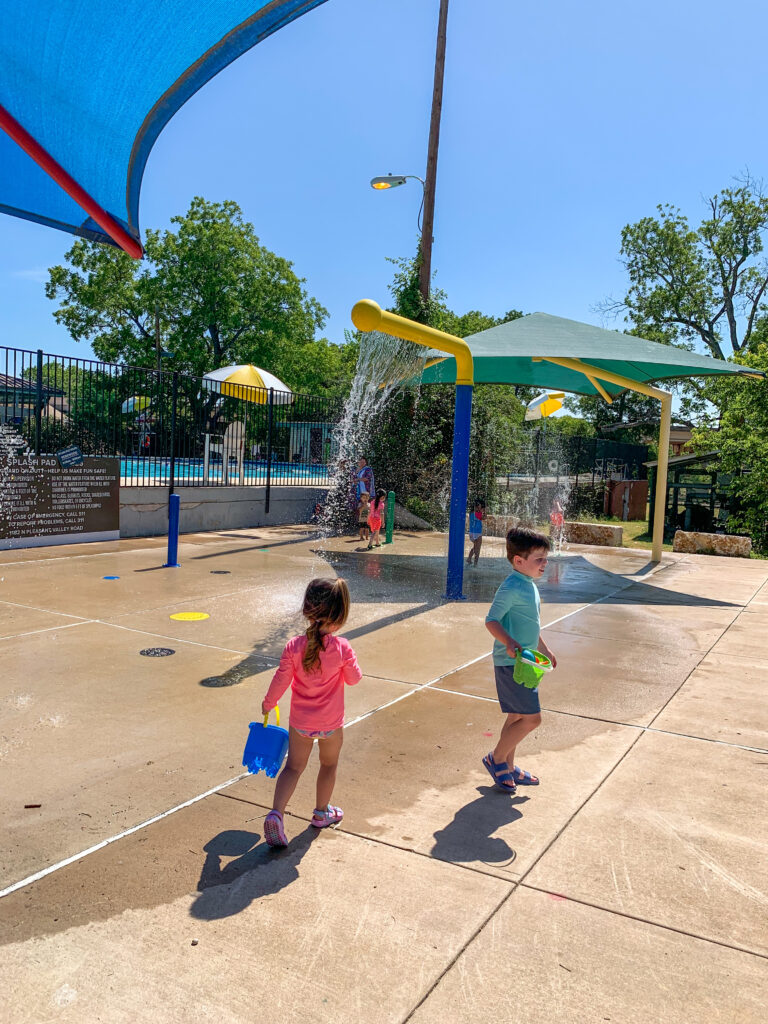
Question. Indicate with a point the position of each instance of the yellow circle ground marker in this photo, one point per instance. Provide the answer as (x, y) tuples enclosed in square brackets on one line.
[(189, 616)]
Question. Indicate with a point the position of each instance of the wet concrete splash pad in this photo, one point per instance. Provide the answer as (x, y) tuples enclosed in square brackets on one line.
[(622, 716)]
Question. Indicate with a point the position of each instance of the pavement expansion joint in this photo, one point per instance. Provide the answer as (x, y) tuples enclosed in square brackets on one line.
[(113, 839), (184, 640), (460, 952), (203, 596), (644, 920), (642, 643), (612, 721), (390, 679), (685, 680), (598, 787), (366, 838), (50, 611), (472, 868), (48, 629), (187, 803), (416, 689)]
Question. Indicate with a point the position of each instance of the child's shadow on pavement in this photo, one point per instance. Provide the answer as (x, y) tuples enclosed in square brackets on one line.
[(469, 837), (257, 871)]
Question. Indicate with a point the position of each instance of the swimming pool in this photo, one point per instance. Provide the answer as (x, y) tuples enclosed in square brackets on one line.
[(143, 472)]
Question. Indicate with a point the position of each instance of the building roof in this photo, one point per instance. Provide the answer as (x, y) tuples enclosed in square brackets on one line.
[(676, 461)]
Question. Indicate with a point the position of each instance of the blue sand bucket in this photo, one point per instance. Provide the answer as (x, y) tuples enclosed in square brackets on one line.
[(530, 666), (266, 747)]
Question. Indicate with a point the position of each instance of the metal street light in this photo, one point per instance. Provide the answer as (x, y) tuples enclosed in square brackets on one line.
[(393, 180), (386, 181)]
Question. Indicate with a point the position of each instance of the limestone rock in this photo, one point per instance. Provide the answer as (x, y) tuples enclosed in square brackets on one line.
[(712, 544), (594, 533)]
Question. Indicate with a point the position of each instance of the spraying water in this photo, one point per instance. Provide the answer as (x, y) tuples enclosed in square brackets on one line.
[(537, 489), (385, 365)]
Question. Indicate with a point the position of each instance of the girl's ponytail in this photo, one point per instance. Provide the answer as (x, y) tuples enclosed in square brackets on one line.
[(314, 645), (326, 605)]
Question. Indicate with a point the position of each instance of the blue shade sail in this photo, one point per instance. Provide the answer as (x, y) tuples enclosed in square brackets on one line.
[(94, 82)]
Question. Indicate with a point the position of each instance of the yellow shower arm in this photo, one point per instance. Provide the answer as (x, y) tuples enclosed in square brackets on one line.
[(367, 315)]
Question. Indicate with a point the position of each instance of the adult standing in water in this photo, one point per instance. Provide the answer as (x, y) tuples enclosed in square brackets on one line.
[(362, 481), (365, 482)]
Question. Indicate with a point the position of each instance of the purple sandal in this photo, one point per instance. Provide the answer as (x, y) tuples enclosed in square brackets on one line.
[(274, 831), (500, 773), (330, 816)]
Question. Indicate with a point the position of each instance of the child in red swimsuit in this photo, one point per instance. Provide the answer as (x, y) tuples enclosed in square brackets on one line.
[(374, 518)]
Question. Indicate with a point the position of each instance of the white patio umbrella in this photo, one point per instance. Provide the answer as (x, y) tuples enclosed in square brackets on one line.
[(544, 405), (248, 382)]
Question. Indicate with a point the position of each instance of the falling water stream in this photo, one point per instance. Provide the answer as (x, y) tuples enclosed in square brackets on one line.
[(385, 365)]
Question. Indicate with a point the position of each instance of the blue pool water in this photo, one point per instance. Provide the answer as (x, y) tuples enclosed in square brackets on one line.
[(138, 471)]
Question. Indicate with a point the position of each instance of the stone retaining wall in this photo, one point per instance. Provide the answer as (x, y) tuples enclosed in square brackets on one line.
[(594, 533), (602, 534), (712, 544)]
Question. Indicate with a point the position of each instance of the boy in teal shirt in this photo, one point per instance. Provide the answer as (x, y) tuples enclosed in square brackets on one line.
[(514, 622)]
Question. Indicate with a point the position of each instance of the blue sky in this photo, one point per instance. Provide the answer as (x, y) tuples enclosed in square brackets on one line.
[(561, 123)]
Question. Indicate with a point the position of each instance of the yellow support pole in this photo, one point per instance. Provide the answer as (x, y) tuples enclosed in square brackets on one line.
[(368, 315), (661, 476), (599, 388), (666, 419)]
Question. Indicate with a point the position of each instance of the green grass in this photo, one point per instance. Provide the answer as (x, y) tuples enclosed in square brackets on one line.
[(636, 534)]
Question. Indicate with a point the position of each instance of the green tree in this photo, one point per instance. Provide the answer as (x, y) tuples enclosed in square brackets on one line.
[(742, 439), (81, 406), (698, 285), (221, 298), (570, 426)]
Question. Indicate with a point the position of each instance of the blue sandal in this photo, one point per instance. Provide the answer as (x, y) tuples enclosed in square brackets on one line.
[(500, 773), (524, 778)]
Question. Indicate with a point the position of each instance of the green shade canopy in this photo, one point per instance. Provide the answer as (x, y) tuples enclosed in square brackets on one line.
[(505, 355)]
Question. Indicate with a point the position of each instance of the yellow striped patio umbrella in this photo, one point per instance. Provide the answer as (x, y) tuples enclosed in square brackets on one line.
[(544, 405), (248, 382)]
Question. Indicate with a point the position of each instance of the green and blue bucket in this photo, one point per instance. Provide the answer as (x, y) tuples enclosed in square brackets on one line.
[(530, 667)]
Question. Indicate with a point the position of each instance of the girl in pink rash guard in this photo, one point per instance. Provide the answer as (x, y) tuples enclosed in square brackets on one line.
[(317, 666)]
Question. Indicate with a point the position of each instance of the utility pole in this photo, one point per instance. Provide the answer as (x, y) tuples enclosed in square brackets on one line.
[(158, 347), (425, 269)]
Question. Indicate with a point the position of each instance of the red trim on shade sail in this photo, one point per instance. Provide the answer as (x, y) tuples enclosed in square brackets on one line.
[(33, 149)]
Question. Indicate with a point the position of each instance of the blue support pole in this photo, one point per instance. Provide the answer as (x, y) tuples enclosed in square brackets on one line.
[(174, 508), (462, 419)]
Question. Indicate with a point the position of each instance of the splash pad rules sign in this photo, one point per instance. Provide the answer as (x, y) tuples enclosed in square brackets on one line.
[(42, 503)]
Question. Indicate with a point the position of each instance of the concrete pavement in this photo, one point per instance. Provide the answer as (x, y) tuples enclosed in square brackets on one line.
[(630, 886)]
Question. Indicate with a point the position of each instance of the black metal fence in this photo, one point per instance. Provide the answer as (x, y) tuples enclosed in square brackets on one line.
[(547, 465), (587, 461), (166, 427)]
